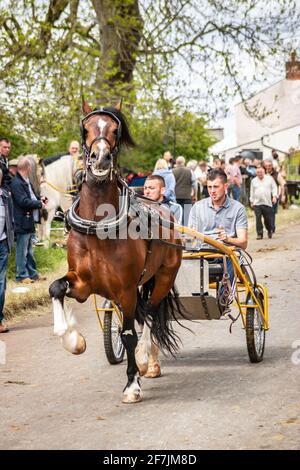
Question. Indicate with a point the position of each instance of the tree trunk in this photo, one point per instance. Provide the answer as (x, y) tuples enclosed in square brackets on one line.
[(120, 28)]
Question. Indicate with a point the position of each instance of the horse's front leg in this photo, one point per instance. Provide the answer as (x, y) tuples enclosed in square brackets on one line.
[(132, 391), (64, 320)]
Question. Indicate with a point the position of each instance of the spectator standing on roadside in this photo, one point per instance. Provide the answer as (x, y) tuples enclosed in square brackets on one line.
[(26, 213), (263, 193), (6, 243), (5, 147), (185, 181), (192, 165), (201, 175), (216, 165), (74, 148), (275, 160), (249, 172), (280, 185), (169, 159), (235, 179), (161, 169)]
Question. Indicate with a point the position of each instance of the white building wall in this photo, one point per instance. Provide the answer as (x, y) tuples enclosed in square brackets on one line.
[(281, 140), (281, 103)]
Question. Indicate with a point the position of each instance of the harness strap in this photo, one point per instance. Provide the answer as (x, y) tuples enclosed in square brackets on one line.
[(225, 287), (149, 252)]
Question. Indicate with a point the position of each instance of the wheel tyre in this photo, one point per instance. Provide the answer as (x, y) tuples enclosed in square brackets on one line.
[(255, 333), (113, 345)]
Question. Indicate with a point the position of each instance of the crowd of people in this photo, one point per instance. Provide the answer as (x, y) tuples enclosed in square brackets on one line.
[(20, 208), (259, 184)]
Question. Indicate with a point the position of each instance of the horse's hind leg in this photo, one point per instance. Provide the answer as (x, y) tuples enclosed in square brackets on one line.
[(143, 349), (64, 321), (146, 354), (154, 369)]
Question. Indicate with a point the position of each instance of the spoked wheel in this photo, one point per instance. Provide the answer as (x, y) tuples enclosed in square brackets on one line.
[(113, 345), (255, 332)]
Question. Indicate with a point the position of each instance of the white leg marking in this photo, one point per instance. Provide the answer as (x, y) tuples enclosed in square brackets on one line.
[(74, 342), (133, 393), (64, 323), (143, 350), (154, 369), (60, 321)]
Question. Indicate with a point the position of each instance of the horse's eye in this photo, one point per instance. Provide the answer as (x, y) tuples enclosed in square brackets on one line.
[(116, 131)]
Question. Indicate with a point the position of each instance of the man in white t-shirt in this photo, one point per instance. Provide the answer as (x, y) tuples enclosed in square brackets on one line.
[(263, 193)]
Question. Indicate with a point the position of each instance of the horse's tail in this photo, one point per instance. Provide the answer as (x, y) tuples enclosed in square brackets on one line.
[(162, 317)]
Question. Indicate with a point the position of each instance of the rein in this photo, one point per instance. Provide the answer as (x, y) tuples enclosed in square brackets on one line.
[(70, 191)]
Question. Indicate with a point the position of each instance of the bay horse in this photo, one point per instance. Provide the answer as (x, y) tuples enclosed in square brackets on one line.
[(115, 266)]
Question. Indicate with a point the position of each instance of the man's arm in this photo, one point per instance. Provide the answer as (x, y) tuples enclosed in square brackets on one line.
[(275, 191), (193, 223), (240, 228), (251, 198), (23, 200), (240, 241)]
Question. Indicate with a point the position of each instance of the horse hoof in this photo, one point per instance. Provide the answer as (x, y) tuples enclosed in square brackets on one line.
[(142, 369), (153, 372), (133, 398), (74, 342)]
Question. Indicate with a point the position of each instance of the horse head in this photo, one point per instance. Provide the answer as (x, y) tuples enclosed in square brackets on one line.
[(103, 131)]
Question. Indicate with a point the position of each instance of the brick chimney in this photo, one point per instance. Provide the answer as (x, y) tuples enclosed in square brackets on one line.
[(292, 68)]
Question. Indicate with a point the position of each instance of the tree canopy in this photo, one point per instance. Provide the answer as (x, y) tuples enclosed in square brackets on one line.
[(193, 54)]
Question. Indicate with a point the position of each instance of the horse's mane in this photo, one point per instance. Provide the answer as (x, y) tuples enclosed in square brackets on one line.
[(60, 171), (126, 138), (49, 160)]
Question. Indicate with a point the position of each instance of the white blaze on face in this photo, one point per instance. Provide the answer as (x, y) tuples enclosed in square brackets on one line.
[(102, 145)]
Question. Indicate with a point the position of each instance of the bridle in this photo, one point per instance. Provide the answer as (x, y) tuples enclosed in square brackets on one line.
[(88, 148)]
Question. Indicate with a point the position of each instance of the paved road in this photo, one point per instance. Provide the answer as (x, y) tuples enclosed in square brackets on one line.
[(211, 397)]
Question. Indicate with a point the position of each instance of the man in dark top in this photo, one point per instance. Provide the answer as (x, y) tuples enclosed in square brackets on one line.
[(26, 213), (5, 147), (6, 243), (185, 187)]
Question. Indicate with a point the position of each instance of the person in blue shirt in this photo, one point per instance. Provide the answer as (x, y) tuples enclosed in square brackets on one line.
[(154, 188), (161, 169), (220, 217)]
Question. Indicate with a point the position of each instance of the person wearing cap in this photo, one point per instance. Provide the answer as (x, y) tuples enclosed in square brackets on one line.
[(13, 167)]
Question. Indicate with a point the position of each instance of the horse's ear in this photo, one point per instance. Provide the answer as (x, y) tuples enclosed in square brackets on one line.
[(118, 105), (86, 109)]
